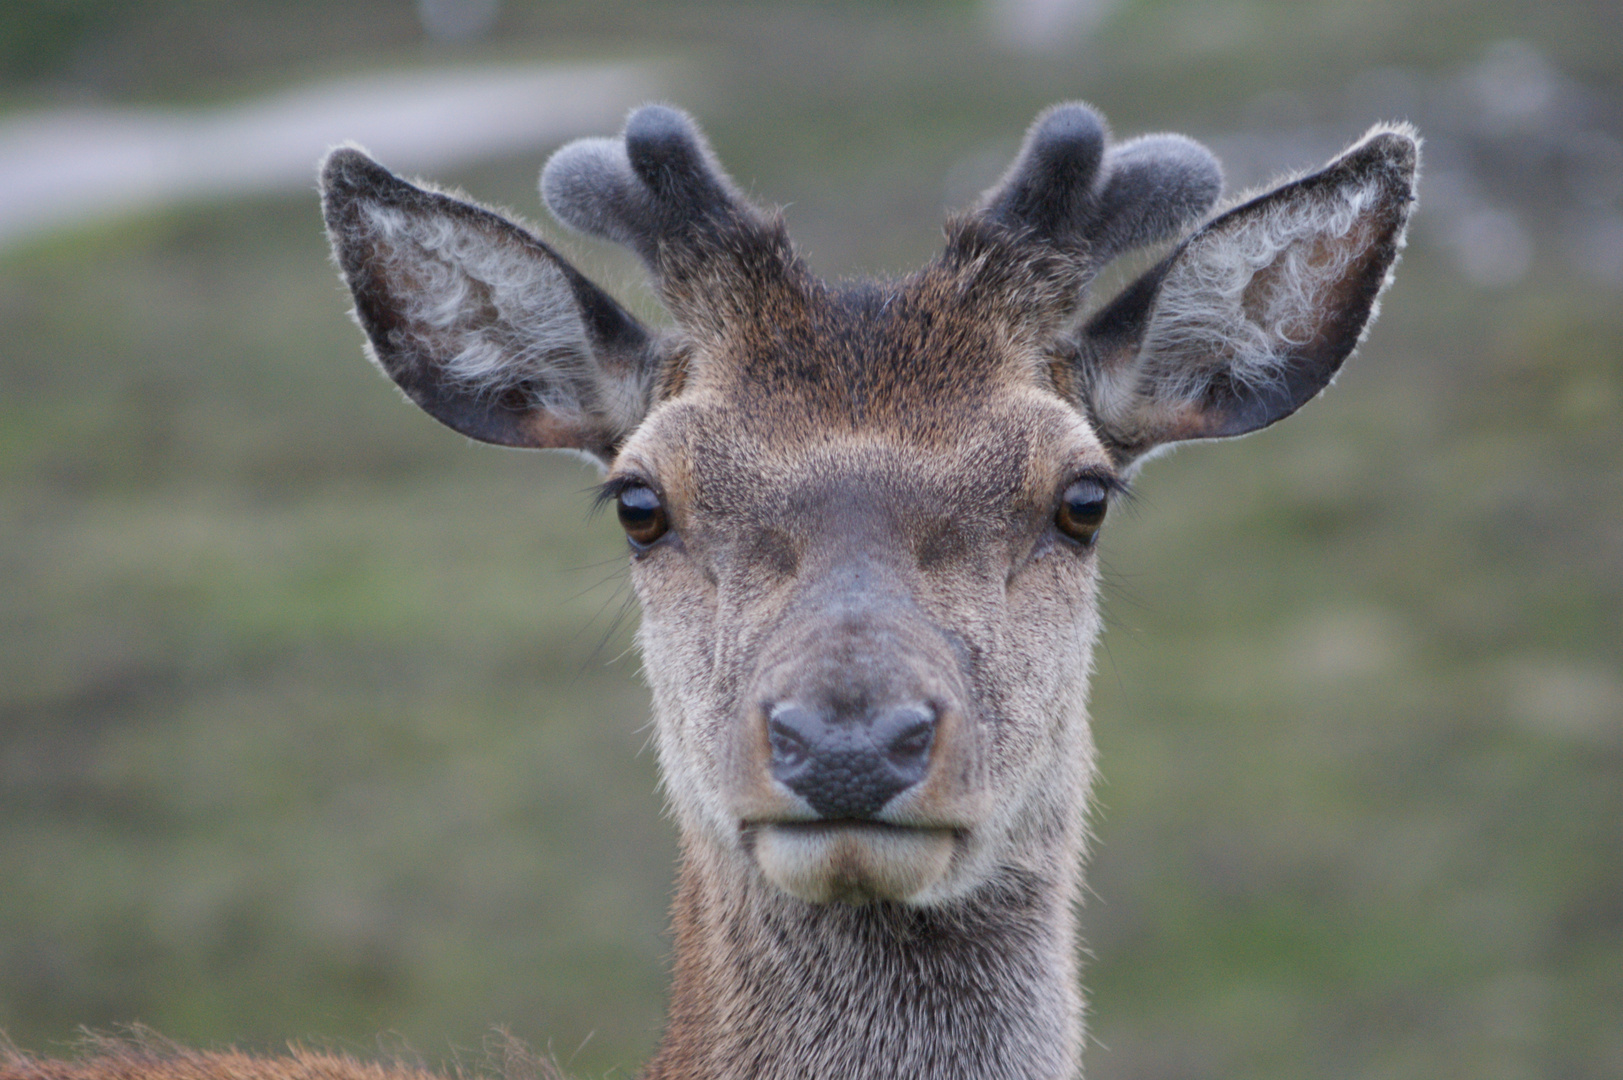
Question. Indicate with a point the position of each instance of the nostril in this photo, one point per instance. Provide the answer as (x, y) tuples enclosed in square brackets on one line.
[(904, 735), (911, 745), (792, 732)]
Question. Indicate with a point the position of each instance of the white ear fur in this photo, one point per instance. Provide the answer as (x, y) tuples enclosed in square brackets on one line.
[(1244, 294), (1256, 311), (500, 318)]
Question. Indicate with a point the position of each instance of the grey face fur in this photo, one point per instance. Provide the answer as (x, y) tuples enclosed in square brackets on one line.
[(862, 522)]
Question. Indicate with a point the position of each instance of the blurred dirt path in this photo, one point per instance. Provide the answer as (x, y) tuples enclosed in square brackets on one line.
[(68, 166)]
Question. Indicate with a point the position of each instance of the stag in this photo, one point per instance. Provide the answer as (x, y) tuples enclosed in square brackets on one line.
[(863, 524)]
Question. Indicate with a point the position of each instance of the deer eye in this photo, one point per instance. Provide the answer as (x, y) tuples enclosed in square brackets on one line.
[(1081, 511), (641, 514)]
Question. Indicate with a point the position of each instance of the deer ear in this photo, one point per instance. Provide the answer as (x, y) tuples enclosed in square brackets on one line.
[(479, 322), (1253, 314)]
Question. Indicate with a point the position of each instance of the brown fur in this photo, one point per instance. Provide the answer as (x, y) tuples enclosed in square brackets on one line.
[(144, 1055)]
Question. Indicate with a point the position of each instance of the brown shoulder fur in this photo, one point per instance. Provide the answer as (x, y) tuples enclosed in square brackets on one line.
[(144, 1055)]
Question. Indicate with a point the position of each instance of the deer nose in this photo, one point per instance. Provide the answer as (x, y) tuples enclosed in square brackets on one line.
[(850, 768)]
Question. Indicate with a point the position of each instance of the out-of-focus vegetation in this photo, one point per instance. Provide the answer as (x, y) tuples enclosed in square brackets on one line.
[(316, 721)]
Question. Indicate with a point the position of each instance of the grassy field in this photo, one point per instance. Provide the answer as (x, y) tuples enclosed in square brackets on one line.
[(318, 722)]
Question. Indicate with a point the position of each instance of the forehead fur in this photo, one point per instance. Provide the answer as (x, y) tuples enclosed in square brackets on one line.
[(916, 357)]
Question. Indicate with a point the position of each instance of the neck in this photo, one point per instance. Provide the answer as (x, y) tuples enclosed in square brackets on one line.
[(769, 986)]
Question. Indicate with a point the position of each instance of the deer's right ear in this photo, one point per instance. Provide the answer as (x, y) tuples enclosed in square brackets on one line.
[(479, 322)]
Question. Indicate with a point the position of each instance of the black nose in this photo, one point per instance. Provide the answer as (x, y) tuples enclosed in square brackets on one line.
[(850, 768)]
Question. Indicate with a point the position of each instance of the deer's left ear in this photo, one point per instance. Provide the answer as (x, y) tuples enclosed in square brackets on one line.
[(487, 328), (1253, 313)]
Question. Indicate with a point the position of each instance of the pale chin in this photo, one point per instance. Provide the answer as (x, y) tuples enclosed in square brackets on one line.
[(851, 862)]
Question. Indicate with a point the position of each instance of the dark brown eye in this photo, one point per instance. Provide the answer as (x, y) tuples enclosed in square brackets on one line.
[(1081, 511), (641, 514)]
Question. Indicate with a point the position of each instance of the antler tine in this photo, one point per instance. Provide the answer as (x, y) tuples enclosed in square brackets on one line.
[(658, 183), (1156, 186), (1065, 188), (1049, 188)]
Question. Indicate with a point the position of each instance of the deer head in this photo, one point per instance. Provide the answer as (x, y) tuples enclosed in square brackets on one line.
[(863, 518)]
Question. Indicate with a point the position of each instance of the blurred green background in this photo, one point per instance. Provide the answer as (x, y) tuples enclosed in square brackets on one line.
[(318, 722)]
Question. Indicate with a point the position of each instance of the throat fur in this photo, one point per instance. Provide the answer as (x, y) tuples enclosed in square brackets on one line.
[(768, 986)]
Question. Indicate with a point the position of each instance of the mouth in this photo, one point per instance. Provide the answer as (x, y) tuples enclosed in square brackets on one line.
[(851, 862)]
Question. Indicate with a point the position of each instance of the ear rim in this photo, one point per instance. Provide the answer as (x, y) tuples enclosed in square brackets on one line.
[(349, 178), (1111, 345)]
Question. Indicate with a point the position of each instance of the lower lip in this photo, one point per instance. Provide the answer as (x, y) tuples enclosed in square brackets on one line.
[(852, 861)]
